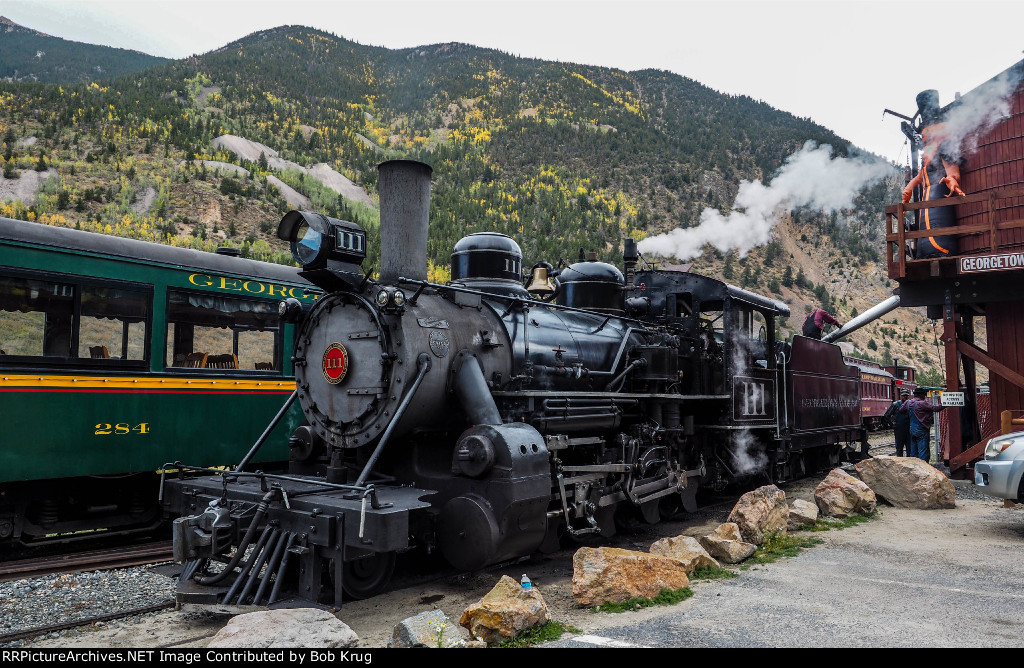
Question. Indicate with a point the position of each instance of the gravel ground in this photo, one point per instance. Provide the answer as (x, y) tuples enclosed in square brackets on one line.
[(55, 599)]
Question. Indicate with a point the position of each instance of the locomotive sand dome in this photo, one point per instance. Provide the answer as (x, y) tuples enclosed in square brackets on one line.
[(592, 285), (490, 262)]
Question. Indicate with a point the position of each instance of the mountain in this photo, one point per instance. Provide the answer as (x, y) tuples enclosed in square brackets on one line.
[(213, 149), (29, 55)]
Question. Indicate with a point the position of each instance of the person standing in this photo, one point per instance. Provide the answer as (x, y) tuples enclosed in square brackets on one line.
[(900, 424), (815, 322), (921, 414)]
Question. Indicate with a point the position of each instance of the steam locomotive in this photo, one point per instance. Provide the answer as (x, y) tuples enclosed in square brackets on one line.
[(487, 420)]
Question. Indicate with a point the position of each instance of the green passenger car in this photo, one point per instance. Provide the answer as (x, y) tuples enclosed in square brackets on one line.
[(118, 356)]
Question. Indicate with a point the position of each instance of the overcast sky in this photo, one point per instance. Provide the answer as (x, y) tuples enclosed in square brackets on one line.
[(838, 62)]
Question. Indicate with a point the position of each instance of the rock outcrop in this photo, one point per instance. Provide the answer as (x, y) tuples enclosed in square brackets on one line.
[(727, 545), (759, 513), (613, 574), (427, 629), (841, 495), (801, 514), (505, 611), (296, 627), (907, 482), (686, 550)]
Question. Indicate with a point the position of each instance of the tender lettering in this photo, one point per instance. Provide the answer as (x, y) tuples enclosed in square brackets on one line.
[(829, 402)]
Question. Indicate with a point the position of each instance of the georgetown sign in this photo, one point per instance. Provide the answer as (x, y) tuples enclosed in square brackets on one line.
[(1001, 262)]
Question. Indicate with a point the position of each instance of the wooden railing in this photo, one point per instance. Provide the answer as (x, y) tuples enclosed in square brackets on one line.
[(1008, 423), (897, 235)]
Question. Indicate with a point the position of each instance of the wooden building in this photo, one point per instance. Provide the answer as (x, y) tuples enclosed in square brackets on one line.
[(985, 276)]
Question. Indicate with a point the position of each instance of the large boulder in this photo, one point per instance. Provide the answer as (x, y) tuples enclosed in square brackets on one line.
[(685, 549), (801, 514), (841, 495), (427, 629), (295, 627), (505, 611), (759, 513), (907, 482), (614, 574), (727, 545)]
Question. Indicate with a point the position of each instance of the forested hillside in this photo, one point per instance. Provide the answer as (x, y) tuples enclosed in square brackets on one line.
[(557, 155), (29, 55)]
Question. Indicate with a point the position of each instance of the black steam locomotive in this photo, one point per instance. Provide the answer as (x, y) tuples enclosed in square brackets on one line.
[(489, 420)]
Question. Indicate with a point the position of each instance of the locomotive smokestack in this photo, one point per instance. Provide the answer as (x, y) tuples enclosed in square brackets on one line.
[(404, 187)]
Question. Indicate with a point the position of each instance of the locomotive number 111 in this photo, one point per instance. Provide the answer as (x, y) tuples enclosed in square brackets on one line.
[(121, 428)]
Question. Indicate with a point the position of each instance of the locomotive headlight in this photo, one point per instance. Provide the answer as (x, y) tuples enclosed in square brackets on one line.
[(315, 239), (382, 298), (398, 298), (307, 244)]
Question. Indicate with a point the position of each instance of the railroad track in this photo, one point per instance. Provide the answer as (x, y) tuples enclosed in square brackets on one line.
[(86, 621), (95, 560), (882, 446)]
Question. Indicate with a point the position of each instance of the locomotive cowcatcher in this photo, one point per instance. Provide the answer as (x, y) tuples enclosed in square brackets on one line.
[(488, 420)]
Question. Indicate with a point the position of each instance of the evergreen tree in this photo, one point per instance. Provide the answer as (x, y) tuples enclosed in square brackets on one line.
[(728, 270), (787, 276)]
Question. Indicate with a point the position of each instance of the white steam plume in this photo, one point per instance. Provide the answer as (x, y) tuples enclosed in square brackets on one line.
[(811, 177), (748, 456), (977, 112), (747, 453)]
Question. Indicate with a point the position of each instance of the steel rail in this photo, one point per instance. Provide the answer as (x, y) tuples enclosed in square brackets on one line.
[(120, 557)]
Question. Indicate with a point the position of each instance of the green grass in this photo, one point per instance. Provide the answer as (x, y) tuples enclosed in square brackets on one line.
[(712, 573), (829, 523), (778, 545), (550, 631), (665, 597)]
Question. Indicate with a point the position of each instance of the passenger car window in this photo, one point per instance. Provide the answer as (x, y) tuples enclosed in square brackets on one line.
[(209, 331), (43, 318), (36, 317), (113, 323)]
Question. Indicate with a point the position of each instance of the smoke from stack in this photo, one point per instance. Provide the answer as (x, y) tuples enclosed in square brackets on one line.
[(977, 112), (810, 178)]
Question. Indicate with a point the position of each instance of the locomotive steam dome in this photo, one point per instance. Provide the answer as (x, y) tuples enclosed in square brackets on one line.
[(490, 262), (592, 285)]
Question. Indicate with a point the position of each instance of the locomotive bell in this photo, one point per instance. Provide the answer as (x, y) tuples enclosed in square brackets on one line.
[(542, 282)]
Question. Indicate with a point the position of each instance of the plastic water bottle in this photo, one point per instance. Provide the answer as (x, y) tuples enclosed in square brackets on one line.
[(525, 581)]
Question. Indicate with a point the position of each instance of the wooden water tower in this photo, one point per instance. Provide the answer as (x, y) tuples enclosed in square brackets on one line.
[(983, 276)]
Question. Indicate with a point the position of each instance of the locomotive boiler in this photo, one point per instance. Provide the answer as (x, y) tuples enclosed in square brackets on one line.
[(487, 419)]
